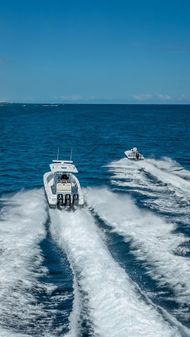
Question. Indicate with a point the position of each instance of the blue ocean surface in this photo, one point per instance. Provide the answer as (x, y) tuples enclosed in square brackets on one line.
[(120, 266)]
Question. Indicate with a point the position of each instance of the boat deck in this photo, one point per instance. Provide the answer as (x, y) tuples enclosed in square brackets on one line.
[(67, 186)]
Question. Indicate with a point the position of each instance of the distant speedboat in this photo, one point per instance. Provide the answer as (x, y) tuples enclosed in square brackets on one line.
[(61, 187), (134, 154)]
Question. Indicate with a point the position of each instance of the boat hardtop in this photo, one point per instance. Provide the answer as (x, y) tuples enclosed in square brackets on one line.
[(61, 186), (134, 154), (66, 166)]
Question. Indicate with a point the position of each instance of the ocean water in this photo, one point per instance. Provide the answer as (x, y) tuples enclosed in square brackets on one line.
[(119, 267)]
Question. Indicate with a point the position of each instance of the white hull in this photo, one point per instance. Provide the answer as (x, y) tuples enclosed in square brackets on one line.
[(133, 155), (62, 193)]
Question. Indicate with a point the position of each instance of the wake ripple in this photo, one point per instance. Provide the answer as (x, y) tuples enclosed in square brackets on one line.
[(21, 230), (164, 182), (152, 239), (115, 308)]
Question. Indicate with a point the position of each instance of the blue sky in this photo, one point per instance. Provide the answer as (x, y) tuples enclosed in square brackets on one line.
[(95, 51)]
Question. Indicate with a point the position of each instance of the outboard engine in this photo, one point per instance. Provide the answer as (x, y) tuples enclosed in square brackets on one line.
[(60, 200), (75, 199), (67, 200)]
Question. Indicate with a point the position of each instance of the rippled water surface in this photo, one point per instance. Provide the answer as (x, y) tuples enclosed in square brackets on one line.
[(121, 265)]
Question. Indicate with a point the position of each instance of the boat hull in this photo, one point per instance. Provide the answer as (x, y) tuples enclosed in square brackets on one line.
[(62, 196), (132, 156)]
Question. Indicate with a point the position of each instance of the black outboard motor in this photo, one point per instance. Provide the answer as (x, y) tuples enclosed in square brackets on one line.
[(75, 199), (60, 200), (67, 200)]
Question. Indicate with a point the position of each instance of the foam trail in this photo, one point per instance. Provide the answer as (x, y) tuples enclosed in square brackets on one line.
[(169, 165), (21, 230), (169, 193), (157, 169), (114, 305), (151, 239), (74, 318), (173, 180)]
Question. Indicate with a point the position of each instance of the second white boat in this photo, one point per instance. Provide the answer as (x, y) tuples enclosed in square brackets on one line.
[(134, 154)]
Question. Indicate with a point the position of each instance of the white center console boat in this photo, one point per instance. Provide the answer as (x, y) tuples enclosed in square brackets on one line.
[(134, 154), (61, 187)]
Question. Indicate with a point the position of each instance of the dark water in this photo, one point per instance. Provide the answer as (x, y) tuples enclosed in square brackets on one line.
[(58, 274)]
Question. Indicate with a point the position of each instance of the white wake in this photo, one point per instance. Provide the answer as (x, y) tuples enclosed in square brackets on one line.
[(168, 192), (114, 306), (152, 239), (21, 230)]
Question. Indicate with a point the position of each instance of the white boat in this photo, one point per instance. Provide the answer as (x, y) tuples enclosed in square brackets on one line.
[(61, 186), (134, 154)]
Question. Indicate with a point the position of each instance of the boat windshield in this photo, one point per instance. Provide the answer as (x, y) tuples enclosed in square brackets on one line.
[(61, 177)]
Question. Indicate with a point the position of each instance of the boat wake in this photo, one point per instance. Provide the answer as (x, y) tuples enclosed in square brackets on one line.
[(21, 228), (164, 184), (153, 240), (107, 299), (26, 307)]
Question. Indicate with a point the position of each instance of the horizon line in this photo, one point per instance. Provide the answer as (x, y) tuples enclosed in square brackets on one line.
[(71, 103)]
